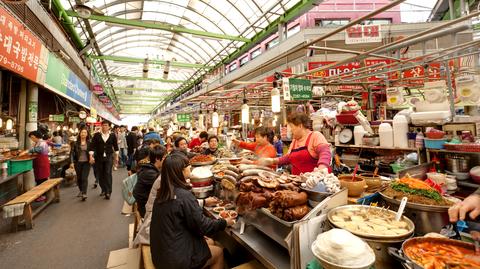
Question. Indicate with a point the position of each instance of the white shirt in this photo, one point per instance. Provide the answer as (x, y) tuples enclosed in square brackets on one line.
[(105, 137)]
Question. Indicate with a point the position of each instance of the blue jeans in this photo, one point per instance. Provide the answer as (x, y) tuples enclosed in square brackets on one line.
[(123, 157)]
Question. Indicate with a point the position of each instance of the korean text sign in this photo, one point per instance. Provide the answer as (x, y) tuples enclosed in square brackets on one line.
[(19, 49)]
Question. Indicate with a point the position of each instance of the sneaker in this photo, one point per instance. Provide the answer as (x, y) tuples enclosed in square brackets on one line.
[(107, 196), (115, 168), (79, 194), (84, 197), (95, 186), (102, 194)]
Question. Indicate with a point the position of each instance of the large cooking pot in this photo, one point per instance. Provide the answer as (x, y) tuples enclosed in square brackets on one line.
[(403, 257), (427, 218), (457, 165), (380, 243), (201, 182)]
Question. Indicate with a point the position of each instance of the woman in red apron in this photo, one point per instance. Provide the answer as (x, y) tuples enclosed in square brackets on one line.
[(41, 164), (308, 149)]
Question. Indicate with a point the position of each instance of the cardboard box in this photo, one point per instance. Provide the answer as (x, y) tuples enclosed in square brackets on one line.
[(126, 258)]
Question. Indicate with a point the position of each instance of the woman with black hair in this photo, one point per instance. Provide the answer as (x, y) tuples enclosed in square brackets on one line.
[(146, 176), (178, 225), (41, 164), (262, 147), (80, 159)]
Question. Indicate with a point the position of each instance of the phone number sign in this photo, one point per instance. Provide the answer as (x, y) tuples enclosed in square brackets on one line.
[(19, 50)]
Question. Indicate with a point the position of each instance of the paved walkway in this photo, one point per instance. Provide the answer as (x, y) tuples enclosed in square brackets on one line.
[(70, 234)]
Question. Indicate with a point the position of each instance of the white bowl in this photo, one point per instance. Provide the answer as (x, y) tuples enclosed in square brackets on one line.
[(459, 176), (328, 265)]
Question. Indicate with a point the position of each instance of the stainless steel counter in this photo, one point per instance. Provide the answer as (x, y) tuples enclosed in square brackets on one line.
[(264, 249)]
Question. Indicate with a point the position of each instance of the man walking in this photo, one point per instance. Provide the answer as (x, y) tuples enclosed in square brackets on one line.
[(104, 153), (122, 145), (132, 144)]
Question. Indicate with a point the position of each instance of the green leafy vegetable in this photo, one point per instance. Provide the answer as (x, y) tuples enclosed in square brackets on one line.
[(432, 194)]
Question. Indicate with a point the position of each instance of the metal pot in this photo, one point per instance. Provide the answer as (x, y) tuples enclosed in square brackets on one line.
[(457, 165), (402, 257), (202, 192), (427, 218), (381, 243)]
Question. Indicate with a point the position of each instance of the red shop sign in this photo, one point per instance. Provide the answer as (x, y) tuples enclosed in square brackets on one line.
[(19, 49)]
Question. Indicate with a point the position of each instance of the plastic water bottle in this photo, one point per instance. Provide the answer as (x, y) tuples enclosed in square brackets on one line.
[(419, 139)]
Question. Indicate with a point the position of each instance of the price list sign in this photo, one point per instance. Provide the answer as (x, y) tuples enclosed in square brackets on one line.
[(300, 89), (19, 49)]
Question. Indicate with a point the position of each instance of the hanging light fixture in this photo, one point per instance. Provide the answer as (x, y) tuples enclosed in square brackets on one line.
[(9, 124), (275, 100), (245, 110), (59, 128), (215, 117), (1, 122)]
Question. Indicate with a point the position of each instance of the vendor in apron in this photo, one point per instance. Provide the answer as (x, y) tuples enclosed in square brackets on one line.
[(468, 208), (41, 164), (308, 150)]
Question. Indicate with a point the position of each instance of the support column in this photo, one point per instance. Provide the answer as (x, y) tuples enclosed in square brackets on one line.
[(32, 117), (31, 125)]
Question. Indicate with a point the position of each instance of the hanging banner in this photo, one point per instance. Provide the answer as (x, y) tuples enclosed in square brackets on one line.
[(410, 75), (20, 51), (363, 34), (62, 80)]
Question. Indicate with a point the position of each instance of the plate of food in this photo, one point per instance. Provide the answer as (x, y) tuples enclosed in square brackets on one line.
[(218, 209), (228, 214), (200, 160), (226, 204)]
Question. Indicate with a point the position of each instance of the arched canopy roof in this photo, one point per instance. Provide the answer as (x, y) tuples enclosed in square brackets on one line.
[(190, 33)]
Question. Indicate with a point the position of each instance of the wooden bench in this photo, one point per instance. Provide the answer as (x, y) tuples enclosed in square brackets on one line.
[(49, 187), (147, 258)]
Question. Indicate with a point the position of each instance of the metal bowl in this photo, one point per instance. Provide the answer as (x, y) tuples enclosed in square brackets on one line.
[(315, 197), (202, 192), (411, 226)]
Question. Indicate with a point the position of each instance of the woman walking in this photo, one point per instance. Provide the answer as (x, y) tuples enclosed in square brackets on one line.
[(80, 158)]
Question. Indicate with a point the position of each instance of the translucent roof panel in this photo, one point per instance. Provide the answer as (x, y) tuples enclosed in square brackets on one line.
[(191, 34)]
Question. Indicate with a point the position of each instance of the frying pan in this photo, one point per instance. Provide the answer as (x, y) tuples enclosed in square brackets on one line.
[(402, 257)]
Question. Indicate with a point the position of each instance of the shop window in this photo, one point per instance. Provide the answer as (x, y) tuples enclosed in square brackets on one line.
[(331, 22), (273, 43), (244, 60), (232, 67), (256, 52), (293, 30), (377, 21)]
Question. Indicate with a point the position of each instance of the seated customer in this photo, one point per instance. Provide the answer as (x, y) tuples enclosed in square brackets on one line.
[(178, 228), (146, 176)]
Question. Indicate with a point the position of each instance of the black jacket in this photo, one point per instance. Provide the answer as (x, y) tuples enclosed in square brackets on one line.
[(99, 147), (132, 144), (76, 150), (146, 176), (177, 230)]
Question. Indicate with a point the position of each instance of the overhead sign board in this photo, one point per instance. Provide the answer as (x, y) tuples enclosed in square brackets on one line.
[(297, 89), (363, 34), (184, 117), (20, 51), (57, 118)]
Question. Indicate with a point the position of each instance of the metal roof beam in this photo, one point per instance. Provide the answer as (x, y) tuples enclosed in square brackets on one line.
[(298, 9), (140, 60), (142, 78), (159, 26), (142, 89)]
